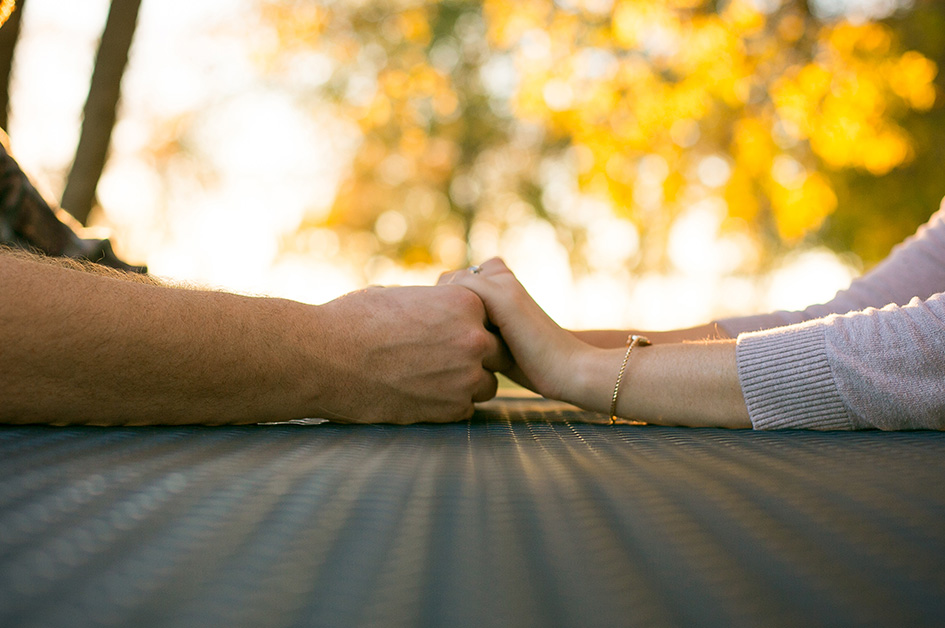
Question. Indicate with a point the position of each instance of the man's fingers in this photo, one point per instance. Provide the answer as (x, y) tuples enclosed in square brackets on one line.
[(487, 386), (498, 358)]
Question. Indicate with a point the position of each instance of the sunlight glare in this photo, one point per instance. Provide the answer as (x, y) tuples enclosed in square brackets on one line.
[(807, 277)]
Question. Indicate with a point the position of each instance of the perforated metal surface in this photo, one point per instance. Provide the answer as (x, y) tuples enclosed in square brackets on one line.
[(510, 520)]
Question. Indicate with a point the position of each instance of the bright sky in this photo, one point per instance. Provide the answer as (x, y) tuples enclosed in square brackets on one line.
[(275, 160)]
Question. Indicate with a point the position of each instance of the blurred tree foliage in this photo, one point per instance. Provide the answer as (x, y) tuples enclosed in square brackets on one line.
[(478, 115), (876, 212)]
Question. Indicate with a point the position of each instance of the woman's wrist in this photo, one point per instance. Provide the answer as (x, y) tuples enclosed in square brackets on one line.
[(693, 384), (593, 377)]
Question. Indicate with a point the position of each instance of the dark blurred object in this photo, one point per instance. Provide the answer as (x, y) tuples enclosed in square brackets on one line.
[(98, 118), (9, 35), (27, 221)]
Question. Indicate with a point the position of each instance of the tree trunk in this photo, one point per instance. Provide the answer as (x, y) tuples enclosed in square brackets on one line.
[(100, 109), (8, 37)]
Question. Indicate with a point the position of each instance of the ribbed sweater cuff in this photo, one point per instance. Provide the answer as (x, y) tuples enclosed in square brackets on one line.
[(787, 381)]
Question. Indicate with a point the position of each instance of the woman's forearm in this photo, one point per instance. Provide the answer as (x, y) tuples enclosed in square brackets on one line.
[(693, 383)]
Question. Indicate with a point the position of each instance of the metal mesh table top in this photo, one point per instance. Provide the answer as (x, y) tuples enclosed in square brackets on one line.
[(524, 516)]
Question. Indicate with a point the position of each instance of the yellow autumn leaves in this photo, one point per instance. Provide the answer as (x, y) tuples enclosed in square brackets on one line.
[(755, 107), (780, 95)]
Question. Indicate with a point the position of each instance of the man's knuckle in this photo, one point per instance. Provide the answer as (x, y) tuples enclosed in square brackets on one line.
[(467, 299), (479, 341)]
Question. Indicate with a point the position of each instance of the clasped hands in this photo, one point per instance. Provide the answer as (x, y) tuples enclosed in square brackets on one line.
[(426, 354)]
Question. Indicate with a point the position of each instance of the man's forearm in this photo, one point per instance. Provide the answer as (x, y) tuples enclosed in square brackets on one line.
[(84, 348), (77, 347)]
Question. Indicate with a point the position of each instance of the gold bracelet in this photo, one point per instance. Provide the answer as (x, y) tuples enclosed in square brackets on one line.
[(632, 341)]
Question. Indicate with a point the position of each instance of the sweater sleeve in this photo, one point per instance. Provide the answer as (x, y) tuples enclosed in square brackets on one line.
[(882, 369), (915, 268)]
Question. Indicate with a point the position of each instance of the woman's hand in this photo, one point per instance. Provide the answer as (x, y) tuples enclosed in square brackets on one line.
[(684, 383), (544, 353)]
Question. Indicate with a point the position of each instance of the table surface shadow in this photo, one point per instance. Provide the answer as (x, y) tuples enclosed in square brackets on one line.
[(530, 514)]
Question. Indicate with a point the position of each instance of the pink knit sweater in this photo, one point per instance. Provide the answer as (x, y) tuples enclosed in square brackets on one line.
[(845, 364)]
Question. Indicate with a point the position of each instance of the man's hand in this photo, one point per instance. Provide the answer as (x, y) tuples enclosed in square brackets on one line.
[(407, 355), (83, 347)]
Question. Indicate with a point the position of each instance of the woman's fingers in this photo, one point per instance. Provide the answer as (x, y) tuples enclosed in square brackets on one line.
[(488, 268), (477, 278), (493, 266), (449, 276)]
